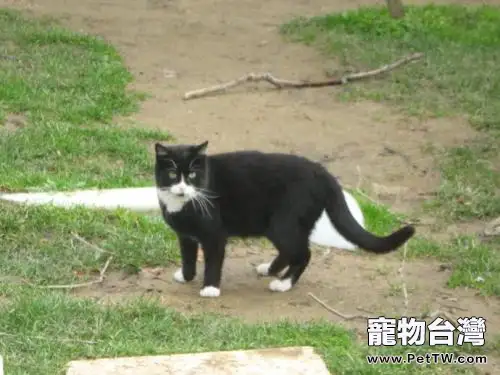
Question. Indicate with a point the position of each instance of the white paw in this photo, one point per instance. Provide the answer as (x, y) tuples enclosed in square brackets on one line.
[(280, 285), (210, 291), (179, 276), (263, 269)]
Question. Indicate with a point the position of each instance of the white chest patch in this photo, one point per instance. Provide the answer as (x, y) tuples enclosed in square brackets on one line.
[(171, 197), (172, 202)]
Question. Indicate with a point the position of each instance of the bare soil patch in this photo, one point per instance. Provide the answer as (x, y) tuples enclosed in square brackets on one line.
[(351, 283), (12, 123)]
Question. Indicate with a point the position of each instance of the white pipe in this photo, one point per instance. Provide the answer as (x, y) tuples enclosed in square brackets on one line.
[(135, 199), (145, 200)]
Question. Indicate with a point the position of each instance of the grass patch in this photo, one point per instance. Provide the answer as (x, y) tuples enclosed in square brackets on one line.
[(45, 328), (459, 71), (48, 72), (458, 76), (471, 181), (474, 264), (61, 156), (38, 243), (64, 86), (40, 323), (42, 330)]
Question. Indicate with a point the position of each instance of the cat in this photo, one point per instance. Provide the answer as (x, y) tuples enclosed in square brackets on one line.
[(206, 199)]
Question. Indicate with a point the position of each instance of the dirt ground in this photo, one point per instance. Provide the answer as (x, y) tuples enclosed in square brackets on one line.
[(173, 46)]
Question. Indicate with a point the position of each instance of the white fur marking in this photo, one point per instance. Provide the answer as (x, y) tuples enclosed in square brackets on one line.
[(210, 291), (263, 269), (172, 203), (179, 276), (278, 285), (179, 188), (171, 198)]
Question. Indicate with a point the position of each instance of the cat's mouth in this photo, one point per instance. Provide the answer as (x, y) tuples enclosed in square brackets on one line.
[(176, 194)]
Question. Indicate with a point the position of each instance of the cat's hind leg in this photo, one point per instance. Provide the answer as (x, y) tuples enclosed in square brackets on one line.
[(293, 246), (299, 261), (274, 268)]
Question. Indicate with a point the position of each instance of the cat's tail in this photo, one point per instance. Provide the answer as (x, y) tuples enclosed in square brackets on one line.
[(341, 217)]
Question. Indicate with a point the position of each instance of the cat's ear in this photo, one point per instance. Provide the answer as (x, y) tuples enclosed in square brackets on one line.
[(161, 151), (201, 148)]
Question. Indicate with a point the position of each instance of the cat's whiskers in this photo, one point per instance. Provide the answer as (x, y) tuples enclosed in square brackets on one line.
[(203, 201), (194, 200), (197, 203), (206, 192), (206, 200), (203, 207)]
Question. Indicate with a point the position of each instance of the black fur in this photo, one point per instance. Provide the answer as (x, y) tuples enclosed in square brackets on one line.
[(252, 194)]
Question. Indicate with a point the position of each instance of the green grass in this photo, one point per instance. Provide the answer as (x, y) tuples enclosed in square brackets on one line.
[(470, 259), (61, 156), (42, 330), (49, 73), (45, 329), (66, 86), (39, 245), (459, 75), (471, 181)]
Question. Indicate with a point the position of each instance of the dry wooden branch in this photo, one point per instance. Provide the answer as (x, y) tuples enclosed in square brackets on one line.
[(338, 313), (91, 245), (425, 315), (283, 83), (401, 272), (99, 280)]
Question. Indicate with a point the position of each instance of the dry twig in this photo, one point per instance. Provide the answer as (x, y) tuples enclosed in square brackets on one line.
[(401, 271), (359, 190), (283, 83), (99, 280), (338, 313), (425, 315), (95, 247)]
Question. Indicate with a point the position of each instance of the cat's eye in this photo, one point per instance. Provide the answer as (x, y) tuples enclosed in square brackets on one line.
[(172, 175), (192, 175)]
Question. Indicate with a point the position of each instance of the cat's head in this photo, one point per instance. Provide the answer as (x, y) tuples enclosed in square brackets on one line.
[(181, 171)]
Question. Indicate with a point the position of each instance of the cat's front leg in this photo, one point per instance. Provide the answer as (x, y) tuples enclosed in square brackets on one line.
[(189, 254), (214, 252)]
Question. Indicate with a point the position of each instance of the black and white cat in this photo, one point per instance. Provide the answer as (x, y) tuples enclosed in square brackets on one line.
[(206, 199)]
